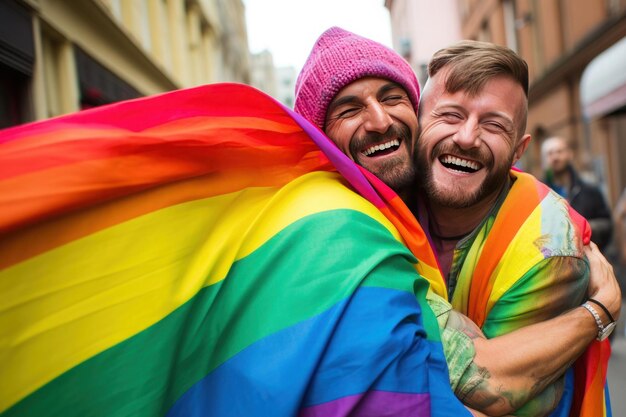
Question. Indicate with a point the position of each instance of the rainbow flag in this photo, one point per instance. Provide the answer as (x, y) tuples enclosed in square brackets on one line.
[(203, 252), (532, 223)]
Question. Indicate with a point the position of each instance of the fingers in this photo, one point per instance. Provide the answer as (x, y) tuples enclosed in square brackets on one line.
[(599, 263), (603, 285)]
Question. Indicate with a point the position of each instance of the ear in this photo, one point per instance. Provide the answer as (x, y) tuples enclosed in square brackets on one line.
[(521, 147)]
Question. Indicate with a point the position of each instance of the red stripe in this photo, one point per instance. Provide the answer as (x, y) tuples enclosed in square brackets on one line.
[(590, 377), (225, 99)]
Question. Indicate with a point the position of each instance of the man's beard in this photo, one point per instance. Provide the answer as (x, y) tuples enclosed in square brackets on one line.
[(398, 172), (560, 169), (457, 196)]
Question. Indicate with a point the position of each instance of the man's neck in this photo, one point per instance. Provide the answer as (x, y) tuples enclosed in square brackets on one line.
[(448, 222), (447, 226)]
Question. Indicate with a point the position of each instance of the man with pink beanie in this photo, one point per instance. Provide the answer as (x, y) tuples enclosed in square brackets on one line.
[(365, 97), (340, 58)]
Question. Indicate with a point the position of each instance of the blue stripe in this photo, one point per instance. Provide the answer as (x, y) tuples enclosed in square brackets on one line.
[(565, 404), (607, 400), (371, 341)]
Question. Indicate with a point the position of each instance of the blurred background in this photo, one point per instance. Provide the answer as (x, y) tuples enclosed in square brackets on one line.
[(61, 56)]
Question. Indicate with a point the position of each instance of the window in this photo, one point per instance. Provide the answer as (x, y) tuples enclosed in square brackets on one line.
[(98, 85), (510, 27), (13, 87)]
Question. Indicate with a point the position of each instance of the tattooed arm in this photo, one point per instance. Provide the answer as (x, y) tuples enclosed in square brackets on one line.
[(488, 385), (521, 372)]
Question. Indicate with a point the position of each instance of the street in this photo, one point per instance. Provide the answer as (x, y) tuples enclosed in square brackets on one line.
[(617, 369)]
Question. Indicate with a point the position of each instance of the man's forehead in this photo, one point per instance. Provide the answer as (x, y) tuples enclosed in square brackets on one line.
[(439, 83), (501, 88), (554, 144)]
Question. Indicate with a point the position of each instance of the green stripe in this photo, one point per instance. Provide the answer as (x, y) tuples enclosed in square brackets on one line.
[(404, 277), (550, 287), (286, 281)]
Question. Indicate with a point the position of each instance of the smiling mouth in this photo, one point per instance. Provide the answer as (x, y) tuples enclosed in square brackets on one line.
[(459, 164), (382, 148)]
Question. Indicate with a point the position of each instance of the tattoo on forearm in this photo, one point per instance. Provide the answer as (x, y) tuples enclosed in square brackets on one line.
[(544, 403), (475, 389)]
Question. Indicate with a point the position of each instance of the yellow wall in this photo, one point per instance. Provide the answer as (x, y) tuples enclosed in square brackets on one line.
[(151, 45)]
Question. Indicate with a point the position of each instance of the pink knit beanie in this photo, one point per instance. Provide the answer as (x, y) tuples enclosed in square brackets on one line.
[(340, 57)]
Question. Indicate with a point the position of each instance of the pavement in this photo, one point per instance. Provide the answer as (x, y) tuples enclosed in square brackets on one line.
[(617, 368)]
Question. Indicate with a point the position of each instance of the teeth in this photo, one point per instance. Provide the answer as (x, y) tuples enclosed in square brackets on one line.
[(449, 159), (381, 147)]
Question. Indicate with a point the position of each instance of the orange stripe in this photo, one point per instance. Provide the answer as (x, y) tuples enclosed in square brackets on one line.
[(72, 144), (412, 233), (28, 197), (519, 204), (41, 237)]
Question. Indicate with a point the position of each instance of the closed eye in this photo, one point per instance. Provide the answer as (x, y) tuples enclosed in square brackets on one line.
[(393, 99), (494, 125), (453, 117), (347, 112), (498, 127)]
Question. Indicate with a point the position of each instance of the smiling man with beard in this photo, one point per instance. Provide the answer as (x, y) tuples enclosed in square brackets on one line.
[(471, 133), (511, 252), (364, 97)]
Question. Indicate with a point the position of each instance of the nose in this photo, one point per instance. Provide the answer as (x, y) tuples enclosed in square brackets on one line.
[(377, 118), (468, 135)]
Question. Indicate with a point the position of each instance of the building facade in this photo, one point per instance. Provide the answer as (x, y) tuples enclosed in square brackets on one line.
[(263, 72), (278, 82), (60, 56), (421, 28), (575, 50), (286, 85)]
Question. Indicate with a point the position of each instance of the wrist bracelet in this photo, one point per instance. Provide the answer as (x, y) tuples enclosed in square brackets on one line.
[(603, 331), (595, 315), (606, 310)]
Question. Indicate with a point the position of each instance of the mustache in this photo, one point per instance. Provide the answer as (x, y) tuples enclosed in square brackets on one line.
[(396, 130), (450, 147)]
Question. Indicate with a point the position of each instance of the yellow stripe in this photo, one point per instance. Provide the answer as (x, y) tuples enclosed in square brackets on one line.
[(67, 305), (433, 276), (460, 299), (522, 254)]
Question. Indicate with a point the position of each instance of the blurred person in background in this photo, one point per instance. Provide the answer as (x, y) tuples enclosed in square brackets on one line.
[(587, 199)]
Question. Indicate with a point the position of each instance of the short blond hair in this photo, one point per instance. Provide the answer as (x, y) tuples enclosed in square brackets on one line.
[(471, 64)]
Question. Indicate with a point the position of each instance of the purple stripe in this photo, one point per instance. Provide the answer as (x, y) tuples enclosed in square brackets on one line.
[(373, 404)]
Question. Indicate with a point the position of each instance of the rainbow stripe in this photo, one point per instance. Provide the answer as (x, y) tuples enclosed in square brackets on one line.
[(512, 286), (195, 253)]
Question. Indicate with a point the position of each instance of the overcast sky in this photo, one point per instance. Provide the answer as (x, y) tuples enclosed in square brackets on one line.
[(289, 28)]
